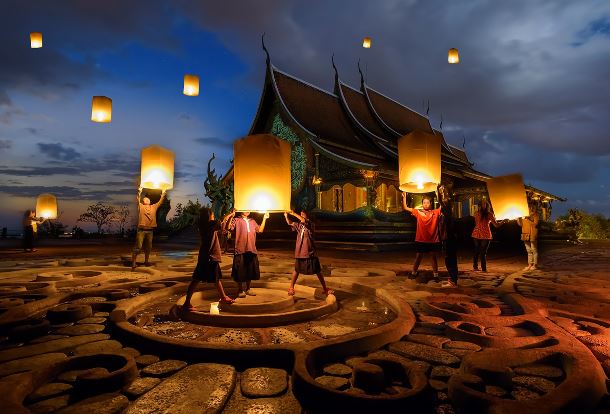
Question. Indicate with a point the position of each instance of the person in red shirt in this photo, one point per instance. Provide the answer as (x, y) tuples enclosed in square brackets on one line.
[(481, 234), (426, 235)]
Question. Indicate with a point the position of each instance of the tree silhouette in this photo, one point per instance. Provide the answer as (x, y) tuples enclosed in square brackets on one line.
[(98, 213)]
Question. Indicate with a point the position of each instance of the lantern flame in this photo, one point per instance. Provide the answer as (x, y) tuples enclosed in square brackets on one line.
[(366, 43), (453, 56), (101, 109), (191, 85), (35, 40)]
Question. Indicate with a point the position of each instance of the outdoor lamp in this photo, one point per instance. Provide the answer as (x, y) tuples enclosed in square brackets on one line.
[(157, 170), (191, 85), (507, 197), (35, 40), (46, 206), (261, 174), (453, 56), (366, 43), (419, 162), (101, 109)]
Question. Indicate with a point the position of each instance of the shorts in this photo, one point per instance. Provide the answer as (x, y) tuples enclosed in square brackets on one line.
[(308, 266), (208, 271)]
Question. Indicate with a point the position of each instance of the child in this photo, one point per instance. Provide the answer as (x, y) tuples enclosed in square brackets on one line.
[(481, 234), (529, 235), (426, 235), (448, 234), (245, 260), (208, 262), (306, 261)]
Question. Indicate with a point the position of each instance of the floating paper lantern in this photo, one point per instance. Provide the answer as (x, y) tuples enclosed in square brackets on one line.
[(261, 173), (507, 197), (419, 162), (101, 109), (366, 43), (46, 206), (453, 56), (214, 310), (35, 40), (157, 170), (191, 85)]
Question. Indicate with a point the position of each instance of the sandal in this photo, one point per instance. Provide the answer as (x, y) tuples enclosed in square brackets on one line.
[(226, 300), (290, 291)]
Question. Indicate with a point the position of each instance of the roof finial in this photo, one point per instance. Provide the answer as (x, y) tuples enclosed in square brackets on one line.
[(441, 125), (265, 48), (332, 59), (361, 74), (428, 108), (463, 141)]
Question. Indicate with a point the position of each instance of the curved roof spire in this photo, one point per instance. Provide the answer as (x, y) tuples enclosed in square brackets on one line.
[(332, 59), (361, 74), (265, 49)]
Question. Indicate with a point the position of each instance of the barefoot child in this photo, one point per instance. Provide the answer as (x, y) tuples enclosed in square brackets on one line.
[(426, 235), (208, 262), (529, 236), (306, 259), (245, 260)]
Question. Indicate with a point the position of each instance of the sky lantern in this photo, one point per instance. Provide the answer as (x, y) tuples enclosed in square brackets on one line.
[(191, 85), (453, 56), (366, 43), (46, 206), (157, 171), (419, 162), (101, 109), (35, 40), (262, 174), (507, 197)]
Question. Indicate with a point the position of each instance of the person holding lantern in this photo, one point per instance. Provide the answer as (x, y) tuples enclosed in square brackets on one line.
[(427, 233), (245, 259), (481, 234), (306, 259), (529, 236), (30, 229), (210, 256), (448, 234), (147, 222)]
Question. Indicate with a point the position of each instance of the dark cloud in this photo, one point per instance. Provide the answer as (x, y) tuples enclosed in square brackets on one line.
[(65, 192), (214, 142), (58, 151), (5, 144)]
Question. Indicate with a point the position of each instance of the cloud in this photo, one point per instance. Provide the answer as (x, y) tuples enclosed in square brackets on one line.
[(214, 142), (58, 151), (65, 192), (5, 144)]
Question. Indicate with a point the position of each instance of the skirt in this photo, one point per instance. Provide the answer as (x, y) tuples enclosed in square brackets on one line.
[(208, 271), (245, 267), (309, 266), (421, 247)]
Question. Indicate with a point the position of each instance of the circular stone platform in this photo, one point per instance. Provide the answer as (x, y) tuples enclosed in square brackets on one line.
[(270, 307)]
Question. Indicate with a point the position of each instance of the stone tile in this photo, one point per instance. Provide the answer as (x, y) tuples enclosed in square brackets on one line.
[(50, 405), (335, 383), (145, 360), (536, 384), (431, 340), (263, 382), (84, 329), (139, 386), (164, 368), (50, 346), (109, 345), (338, 370), (100, 404), (50, 390), (539, 370), (29, 363), (424, 353)]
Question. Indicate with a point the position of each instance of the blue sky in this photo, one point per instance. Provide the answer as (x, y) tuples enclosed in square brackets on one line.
[(529, 95)]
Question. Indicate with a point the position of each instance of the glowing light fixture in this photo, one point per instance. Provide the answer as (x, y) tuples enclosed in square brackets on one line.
[(507, 196), (35, 40), (366, 43), (419, 162), (46, 206), (157, 170), (101, 109), (191, 85), (453, 56), (261, 174)]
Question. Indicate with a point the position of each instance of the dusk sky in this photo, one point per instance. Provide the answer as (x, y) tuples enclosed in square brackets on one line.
[(531, 94)]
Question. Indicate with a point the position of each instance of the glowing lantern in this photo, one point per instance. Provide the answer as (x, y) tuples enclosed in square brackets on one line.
[(419, 162), (507, 197), (157, 168), (453, 56), (366, 43), (35, 40), (101, 109), (191, 85), (46, 206), (214, 310), (261, 174)]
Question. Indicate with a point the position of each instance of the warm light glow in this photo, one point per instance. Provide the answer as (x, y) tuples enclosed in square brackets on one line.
[(419, 162), (316, 180), (453, 56), (507, 197), (261, 174), (101, 109), (157, 168), (46, 206), (191, 85), (35, 40), (214, 310), (366, 43)]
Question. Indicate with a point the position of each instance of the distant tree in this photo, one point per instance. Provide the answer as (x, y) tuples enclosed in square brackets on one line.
[(99, 213), (584, 225), (186, 215), (121, 216), (52, 227)]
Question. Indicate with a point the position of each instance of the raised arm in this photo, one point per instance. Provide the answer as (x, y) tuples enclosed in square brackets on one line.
[(286, 218), (228, 216), (404, 203), (297, 216), (262, 226), (138, 196)]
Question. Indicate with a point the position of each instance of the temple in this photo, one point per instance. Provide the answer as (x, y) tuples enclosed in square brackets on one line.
[(345, 160)]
